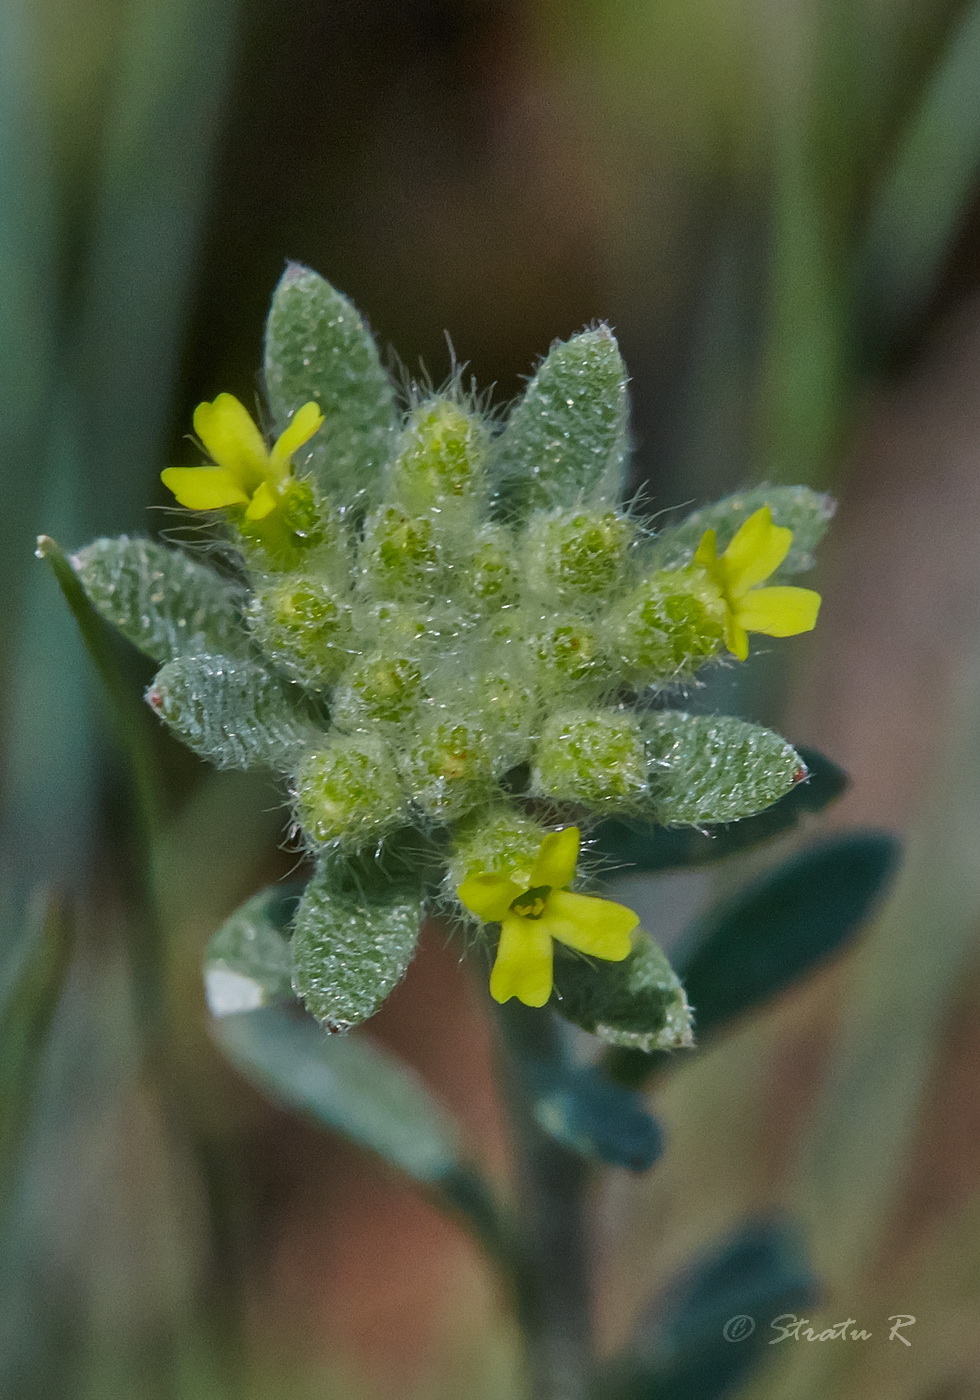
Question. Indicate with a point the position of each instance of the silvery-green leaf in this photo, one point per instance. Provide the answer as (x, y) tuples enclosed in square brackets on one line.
[(351, 947), (565, 441), (164, 601), (714, 768), (231, 711), (318, 347), (346, 1083), (638, 1002), (248, 963)]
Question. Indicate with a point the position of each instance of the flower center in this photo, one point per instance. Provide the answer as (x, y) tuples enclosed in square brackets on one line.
[(530, 904)]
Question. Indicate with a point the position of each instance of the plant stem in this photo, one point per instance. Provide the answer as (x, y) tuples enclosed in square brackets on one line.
[(553, 1294)]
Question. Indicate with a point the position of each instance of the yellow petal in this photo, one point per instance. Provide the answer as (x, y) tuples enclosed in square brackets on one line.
[(231, 438), (778, 612), (599, 927), (305, 422), (757, 549), (263, 503), (736, 637), (203, 488), (556, 858), (489, 897), (706, 553), (523, 967)]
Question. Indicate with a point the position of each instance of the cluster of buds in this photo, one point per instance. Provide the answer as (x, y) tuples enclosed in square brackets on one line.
[(455, 645)]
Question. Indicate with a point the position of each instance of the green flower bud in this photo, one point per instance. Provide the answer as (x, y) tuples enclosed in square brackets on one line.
[(348, 792), (401, 554), (395, 626), (669, 625), (301, 526), (593, 757), (449, 768), (490, 572), (305, 628), (567, 651), (508, 711), (577, 555), (441, 457), (378, 687), (502, 844)]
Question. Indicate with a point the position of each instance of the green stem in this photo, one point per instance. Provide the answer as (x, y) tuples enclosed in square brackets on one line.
[(553, 1293)]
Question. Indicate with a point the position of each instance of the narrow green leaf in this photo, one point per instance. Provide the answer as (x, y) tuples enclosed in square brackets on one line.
[(162, 600), (346, 1083), (231, 711), (638, 1003), (248, 961), (749, 949), (925, 193), (318, 347), (714, 768), (565, 441), (647, 847), (807, 513), (351, 947), (33, 977)]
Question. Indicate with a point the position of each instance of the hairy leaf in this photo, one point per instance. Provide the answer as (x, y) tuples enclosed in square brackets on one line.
[(714, 768), (648, 847), (318, 347), (248, 962), (162, 600), (637, 1003), (230, 711), (351, 947), (565, 441)]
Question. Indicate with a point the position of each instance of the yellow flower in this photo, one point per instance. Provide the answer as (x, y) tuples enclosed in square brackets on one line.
[(534, 907), (247, 473), (756, 551)]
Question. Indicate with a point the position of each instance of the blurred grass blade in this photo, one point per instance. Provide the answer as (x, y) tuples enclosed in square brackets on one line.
[(643, 847), (751, 948), (804, 368), (110, 393), (33, 976), (163, 125), (924, 195), (856, 1148)]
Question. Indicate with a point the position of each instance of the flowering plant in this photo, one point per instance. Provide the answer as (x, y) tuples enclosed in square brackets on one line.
[(472, 667), (461, 651)]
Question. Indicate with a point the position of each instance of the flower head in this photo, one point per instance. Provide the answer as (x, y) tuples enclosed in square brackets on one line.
[(247, 472), (755, 552), (534, 907)]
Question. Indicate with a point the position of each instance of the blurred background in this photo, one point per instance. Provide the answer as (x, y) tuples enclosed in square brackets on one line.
[(774, 202)]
